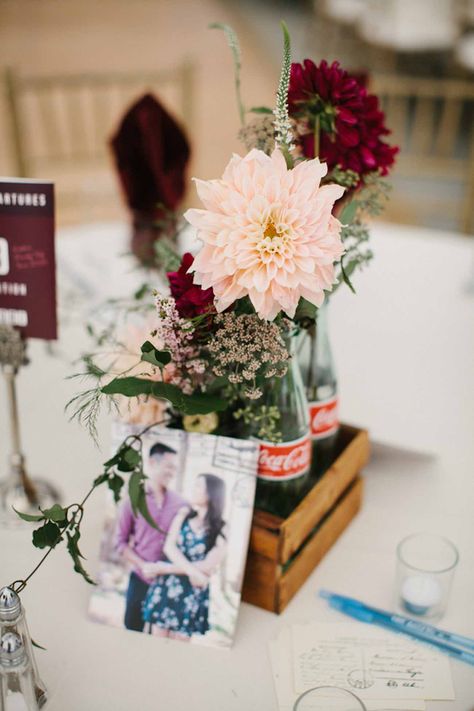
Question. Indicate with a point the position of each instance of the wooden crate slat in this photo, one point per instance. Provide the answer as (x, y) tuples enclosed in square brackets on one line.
[(317, 547), (325, 493), (261, 582)]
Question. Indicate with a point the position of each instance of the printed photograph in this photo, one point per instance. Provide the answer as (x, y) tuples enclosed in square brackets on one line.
[(182, 577)]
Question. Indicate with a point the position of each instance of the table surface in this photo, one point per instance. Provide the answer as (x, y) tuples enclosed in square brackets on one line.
[(404, 348)]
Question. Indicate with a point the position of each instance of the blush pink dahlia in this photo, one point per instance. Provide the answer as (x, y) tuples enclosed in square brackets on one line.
[(267, 233)]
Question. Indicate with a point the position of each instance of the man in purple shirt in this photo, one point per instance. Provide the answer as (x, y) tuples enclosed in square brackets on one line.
[(140, 543)]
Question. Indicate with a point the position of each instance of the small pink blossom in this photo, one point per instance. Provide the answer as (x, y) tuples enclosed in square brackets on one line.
[(268, 233)]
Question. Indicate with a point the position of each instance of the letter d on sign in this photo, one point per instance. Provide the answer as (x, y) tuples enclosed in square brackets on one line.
[(4, 257)]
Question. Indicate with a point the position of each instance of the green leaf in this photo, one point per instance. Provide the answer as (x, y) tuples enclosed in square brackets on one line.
[(143, 291), (47, 536), (134, 486), (197, 404), (166, 255), (101, 479), (76, 555), (349, 212), (233, 42), (129, 386), (345, 277), (152, 355), (260, 110), (115, 484), (305, 311), (129, 458), (111, 462), (56, 513), (143, 509), (28, 517), (38, 646)]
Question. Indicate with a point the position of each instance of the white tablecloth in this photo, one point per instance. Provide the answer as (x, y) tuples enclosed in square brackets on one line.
[(404, 348)]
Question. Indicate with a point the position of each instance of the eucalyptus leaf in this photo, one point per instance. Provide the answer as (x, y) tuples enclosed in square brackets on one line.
[(261, 110), (111, 463), (142, 292), (47, 536), (345, 277), (197, 404), (101, 479), (38, 646), (76, 555), (28, 517), (56, 513), (305, 311), (348, 213), (134, 487), (143, 509), (115, 484), (152, 355)]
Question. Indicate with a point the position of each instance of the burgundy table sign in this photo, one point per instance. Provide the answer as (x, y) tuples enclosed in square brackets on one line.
[(27, 310)]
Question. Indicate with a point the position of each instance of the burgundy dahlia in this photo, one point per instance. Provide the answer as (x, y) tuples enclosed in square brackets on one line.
[(190, 299), (351, 123)]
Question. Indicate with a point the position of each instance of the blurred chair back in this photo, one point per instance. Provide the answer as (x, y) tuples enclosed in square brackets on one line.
[(433, 123), (60, 124)]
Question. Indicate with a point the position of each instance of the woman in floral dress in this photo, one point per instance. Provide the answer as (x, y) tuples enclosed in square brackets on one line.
[(177, 603)]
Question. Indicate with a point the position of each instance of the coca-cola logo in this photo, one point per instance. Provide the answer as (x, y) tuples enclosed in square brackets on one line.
[(324, 418), (284, 461)]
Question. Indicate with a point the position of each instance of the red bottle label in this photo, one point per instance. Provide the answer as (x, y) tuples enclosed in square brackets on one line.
[(324, 417), (288, 460)]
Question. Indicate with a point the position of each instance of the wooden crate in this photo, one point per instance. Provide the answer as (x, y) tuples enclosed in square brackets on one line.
[(283, 552)]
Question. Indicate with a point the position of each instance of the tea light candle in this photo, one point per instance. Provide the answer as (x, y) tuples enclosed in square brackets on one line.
[(420, 594)]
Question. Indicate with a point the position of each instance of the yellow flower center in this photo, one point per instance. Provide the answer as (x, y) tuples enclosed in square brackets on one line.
[(274, 241), (271, 230)]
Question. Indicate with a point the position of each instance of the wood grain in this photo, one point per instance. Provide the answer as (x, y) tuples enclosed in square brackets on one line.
[(317, 547)]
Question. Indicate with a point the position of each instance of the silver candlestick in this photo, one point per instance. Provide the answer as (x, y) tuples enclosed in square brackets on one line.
[(18, 490)]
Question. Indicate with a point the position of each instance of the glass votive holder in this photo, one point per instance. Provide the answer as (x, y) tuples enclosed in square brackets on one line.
[(329, 698), (425, 569)]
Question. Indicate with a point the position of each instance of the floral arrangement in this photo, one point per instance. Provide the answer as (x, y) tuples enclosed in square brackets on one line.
[(282, 227)]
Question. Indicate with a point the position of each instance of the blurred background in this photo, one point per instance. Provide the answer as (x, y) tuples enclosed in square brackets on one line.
[(69, 69)]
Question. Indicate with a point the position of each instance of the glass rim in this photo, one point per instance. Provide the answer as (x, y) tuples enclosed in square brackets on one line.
[(437, 571), (328, 686)]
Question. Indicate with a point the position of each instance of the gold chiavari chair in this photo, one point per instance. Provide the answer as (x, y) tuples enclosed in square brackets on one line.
[(433, 123), (60, 125)]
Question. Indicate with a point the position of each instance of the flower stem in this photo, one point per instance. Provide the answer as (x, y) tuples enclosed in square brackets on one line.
[(317, 132)]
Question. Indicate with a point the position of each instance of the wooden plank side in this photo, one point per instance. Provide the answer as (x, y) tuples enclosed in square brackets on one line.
[(264, 542), (323, 496), (317, 547), (261, 582)]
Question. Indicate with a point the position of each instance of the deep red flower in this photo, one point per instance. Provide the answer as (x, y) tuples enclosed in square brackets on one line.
[(190, 299), (351, 122)]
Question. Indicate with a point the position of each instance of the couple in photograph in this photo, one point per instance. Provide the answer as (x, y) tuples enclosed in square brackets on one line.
[(171, 565)]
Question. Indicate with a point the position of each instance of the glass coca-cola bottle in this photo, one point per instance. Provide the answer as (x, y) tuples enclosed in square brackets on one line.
[(320, 380), (284, 467)]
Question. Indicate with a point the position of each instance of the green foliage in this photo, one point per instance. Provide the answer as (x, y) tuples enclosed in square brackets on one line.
[(47, 536), (56, 514), (76, 555), (30, 518), (260, 110), (349, 212), (233, 42), (196, 404), (305, 312), (166, 255), (152, 355)]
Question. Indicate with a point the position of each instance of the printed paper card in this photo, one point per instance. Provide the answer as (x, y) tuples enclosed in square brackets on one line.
[(182, 579), (281, 657), (27, 259), (374, 664)]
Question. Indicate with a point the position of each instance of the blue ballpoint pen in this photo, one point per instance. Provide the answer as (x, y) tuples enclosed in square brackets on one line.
[(398, 623)]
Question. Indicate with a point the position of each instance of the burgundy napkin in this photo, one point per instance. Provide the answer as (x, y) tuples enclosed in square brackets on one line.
[(151, 154)]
